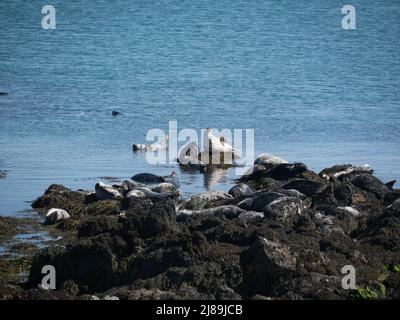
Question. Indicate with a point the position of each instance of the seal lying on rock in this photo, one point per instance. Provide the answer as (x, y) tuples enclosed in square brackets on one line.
[(339, 170), (253, 169), (106, 192), (258, 203), (128, 185), (290, 193), (55, 215), (370, 183), (281, 171), (266, 160), (149, 178), (228, 211), (284, 209), (145, 193), (164, 187), (241, 190), (395, 205), (206, 199), (157, 196), (247, 216), (135, 194)]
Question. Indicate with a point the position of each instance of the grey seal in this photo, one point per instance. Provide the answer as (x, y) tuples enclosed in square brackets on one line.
[(150, 178), (142, 192), (106, 192), (55, 215)]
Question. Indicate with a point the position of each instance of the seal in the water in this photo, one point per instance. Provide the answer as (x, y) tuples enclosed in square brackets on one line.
[(161, 145), (2, 93), (3, 174), (217, 147), (115, 113), (139, 147)]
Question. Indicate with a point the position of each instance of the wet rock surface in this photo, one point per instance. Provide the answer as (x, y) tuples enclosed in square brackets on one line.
[(283, 232), (6, 229)]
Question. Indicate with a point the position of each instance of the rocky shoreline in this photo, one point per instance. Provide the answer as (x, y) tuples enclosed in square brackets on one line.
[(282, 232)]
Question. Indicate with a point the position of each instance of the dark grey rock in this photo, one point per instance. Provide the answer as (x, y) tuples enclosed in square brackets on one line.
[(264, 264)]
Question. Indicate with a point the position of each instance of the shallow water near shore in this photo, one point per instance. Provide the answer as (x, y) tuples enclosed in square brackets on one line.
[(313, 92)]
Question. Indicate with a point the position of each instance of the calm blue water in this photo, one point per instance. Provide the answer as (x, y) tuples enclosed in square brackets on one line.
[(312, 91)]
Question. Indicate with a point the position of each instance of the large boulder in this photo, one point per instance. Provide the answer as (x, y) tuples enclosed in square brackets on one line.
[(89, 263), (93, 226), (157, 220), (58, 196), (265, 264)]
